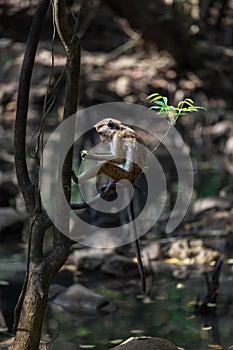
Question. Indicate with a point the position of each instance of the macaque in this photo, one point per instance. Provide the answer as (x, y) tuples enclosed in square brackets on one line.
[(127, 155), (126, 160)]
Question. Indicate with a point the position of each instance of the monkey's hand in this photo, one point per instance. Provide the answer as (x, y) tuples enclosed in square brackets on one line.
[(83, 154)]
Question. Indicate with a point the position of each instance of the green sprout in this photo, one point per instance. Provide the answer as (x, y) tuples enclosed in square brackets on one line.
[(172, 113)]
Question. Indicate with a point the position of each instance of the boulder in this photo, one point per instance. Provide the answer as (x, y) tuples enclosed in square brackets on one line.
[(146, 343), (79, 299), (152, 251), (120, 266), (203, 204)]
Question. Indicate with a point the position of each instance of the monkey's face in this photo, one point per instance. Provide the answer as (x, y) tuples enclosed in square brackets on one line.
[(106, 129), (105, 134)]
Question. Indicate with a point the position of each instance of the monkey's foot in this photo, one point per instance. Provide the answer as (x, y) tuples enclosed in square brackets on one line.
[(111, 186)]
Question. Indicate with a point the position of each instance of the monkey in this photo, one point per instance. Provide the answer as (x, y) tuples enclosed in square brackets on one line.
[(127, 153), (126, 160)]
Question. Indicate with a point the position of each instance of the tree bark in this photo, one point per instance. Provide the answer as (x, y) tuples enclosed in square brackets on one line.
[(30, 324)]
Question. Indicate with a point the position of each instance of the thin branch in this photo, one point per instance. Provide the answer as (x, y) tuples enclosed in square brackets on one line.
[(62, 24), (24, 181), (61, 243)]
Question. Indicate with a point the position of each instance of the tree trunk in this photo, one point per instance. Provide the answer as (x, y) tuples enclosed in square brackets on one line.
[(40, 272), (31, 318)]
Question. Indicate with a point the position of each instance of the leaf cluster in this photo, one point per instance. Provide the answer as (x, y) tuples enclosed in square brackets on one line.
[(172, 113)]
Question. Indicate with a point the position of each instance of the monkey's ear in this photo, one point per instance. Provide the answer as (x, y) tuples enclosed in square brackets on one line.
[(111, 125)]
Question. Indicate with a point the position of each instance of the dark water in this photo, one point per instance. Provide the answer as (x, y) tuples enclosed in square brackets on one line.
[(169, 313)]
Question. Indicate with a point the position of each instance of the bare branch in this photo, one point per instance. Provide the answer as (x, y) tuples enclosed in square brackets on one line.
[(62, 25), (24, 181)]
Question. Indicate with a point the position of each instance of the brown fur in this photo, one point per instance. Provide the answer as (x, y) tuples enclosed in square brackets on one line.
[(128, 154)]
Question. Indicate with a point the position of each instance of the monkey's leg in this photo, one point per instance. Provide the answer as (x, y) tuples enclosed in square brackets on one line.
[(89, 173), (117, 173), (112, 170)]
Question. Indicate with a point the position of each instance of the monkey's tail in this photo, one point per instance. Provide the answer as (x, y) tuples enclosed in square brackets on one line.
[(137, 247)]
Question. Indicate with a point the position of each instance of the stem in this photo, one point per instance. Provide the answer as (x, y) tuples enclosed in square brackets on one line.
[(161, 141)]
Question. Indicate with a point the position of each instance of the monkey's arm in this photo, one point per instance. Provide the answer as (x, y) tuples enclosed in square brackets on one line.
[(105, 157), (99, 157)]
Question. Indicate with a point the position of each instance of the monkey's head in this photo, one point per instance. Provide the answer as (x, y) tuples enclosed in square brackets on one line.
[(106, 129)]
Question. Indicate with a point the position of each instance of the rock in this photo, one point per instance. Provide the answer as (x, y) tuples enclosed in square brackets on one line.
[(120, 266), (64, 277), (89, 259), (54, 290), (5, 43), (203, 204), (78, 298), (152, 251), (8, 191), (146, 343), (123, 86), (221, 129), (7, 344), (11, 221), (90, 263), (102, 239), (192, 252), (10, 289)]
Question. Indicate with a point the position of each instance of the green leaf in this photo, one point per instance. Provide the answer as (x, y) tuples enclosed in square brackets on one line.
[(155, 107), (152, 95), (183, 107), (116, 341), (160, 103), (189, 100), (88, 346), (188, 103), (193, 109), (158, 97), (83, 331), (181, 103)]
